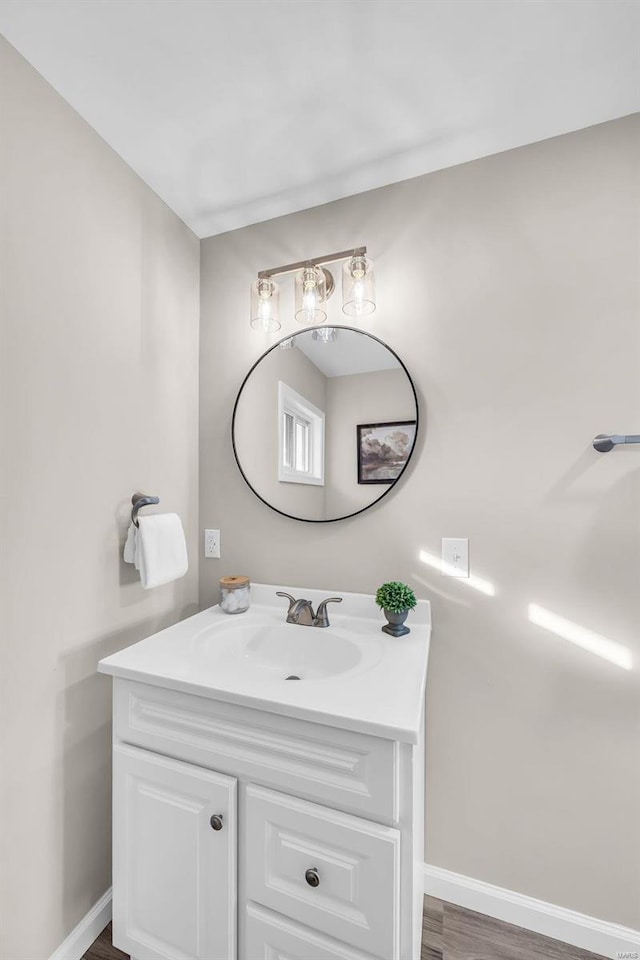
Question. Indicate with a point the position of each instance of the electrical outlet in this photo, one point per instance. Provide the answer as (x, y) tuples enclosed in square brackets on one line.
[(455, 557), (212, 544)]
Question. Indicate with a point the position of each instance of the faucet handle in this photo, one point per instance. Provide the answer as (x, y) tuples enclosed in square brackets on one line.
[(291, 599), (322, 620)]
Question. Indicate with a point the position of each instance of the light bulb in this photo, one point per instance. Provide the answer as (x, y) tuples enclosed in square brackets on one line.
[(265, 313), (358, 296), (310, 296), (358, 288), (264, 304), (309, 301)]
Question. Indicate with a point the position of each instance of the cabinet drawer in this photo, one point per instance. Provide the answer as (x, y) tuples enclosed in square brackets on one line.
[(348, 770), (272, 937), (356, 863)]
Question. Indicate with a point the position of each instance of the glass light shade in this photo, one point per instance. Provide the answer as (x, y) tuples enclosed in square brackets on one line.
[(311, 294), (288, 344), (265, 301), (358, 287)]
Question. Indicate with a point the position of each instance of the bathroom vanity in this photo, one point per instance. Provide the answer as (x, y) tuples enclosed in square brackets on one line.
[(258, 817)]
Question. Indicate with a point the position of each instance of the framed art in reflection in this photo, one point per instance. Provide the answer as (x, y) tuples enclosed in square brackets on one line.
[(383, 450)]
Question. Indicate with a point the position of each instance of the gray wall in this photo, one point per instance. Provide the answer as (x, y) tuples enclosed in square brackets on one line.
[(509, 286), (100, 341)]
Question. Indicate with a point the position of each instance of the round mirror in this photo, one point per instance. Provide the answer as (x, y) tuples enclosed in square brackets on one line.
[(325, 423)]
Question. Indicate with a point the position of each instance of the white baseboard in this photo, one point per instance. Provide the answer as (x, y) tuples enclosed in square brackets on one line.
[(598, 936), (82, 936)]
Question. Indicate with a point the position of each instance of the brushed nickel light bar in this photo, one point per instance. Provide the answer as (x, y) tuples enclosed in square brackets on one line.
[(313, 262), (314, 284)]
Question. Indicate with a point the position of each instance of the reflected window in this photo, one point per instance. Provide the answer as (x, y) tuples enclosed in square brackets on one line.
[(301, 433)]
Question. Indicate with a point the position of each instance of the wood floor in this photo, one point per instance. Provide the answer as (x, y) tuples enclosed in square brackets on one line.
[(448, 933), (453, 933)]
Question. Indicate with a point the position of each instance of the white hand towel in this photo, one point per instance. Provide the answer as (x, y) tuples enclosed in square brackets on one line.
[(158, 548), (131, 546)]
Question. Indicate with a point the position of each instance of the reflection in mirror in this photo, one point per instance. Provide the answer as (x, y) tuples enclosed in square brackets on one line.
[(324, 426)]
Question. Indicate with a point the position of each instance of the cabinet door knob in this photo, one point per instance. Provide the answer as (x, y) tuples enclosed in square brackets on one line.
[(312, 878), (216, 821)]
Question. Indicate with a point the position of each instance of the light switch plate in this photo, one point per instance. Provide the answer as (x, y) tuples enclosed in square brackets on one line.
[(212, 544), (455, 557)]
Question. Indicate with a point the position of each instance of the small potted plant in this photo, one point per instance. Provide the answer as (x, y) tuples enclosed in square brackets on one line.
[(396, 599)]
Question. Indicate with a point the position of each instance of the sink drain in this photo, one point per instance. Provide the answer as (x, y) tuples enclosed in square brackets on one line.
[(293, 677)]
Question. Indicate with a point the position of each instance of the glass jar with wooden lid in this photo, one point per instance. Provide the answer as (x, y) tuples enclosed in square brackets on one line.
[(235, 594)]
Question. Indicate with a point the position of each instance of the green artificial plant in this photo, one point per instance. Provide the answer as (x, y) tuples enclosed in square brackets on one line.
[(395, 597)]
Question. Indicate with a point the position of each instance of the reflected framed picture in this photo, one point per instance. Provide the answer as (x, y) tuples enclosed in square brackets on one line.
[(383, 450)]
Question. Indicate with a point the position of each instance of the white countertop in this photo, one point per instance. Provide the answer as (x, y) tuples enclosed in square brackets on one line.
[(213, 654)]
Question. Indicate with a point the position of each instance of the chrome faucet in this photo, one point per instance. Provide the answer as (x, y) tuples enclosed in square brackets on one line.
[(301, 611)]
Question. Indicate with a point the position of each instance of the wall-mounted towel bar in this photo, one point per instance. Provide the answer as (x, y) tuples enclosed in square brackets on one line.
[(140, 500), (605, 442)]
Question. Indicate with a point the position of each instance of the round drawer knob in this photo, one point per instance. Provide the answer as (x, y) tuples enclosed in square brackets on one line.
[(216, 821), (312, 878)]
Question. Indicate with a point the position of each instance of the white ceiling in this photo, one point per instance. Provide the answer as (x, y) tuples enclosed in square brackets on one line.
[(236, 111)]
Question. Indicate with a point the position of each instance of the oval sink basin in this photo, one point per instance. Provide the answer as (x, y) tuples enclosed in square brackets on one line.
[(293, 653), (283, 651)]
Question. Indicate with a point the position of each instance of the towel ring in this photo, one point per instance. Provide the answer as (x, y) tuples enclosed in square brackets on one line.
[(140, 500)]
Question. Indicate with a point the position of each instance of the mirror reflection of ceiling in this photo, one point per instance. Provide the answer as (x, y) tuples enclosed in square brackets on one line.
[(323, 431), (346, 355)]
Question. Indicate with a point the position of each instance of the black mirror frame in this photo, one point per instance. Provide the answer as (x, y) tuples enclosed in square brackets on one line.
[(391, 486)]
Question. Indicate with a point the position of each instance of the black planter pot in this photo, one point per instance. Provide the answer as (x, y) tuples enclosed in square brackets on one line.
[(395, 627)]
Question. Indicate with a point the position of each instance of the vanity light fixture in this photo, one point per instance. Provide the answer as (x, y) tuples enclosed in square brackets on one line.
[(314, 284)]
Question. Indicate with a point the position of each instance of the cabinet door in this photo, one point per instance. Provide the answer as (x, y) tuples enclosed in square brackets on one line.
[(174, 875)]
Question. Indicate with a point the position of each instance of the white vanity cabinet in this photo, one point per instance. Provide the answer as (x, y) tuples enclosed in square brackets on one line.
[(241, 834), (260, 819)]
